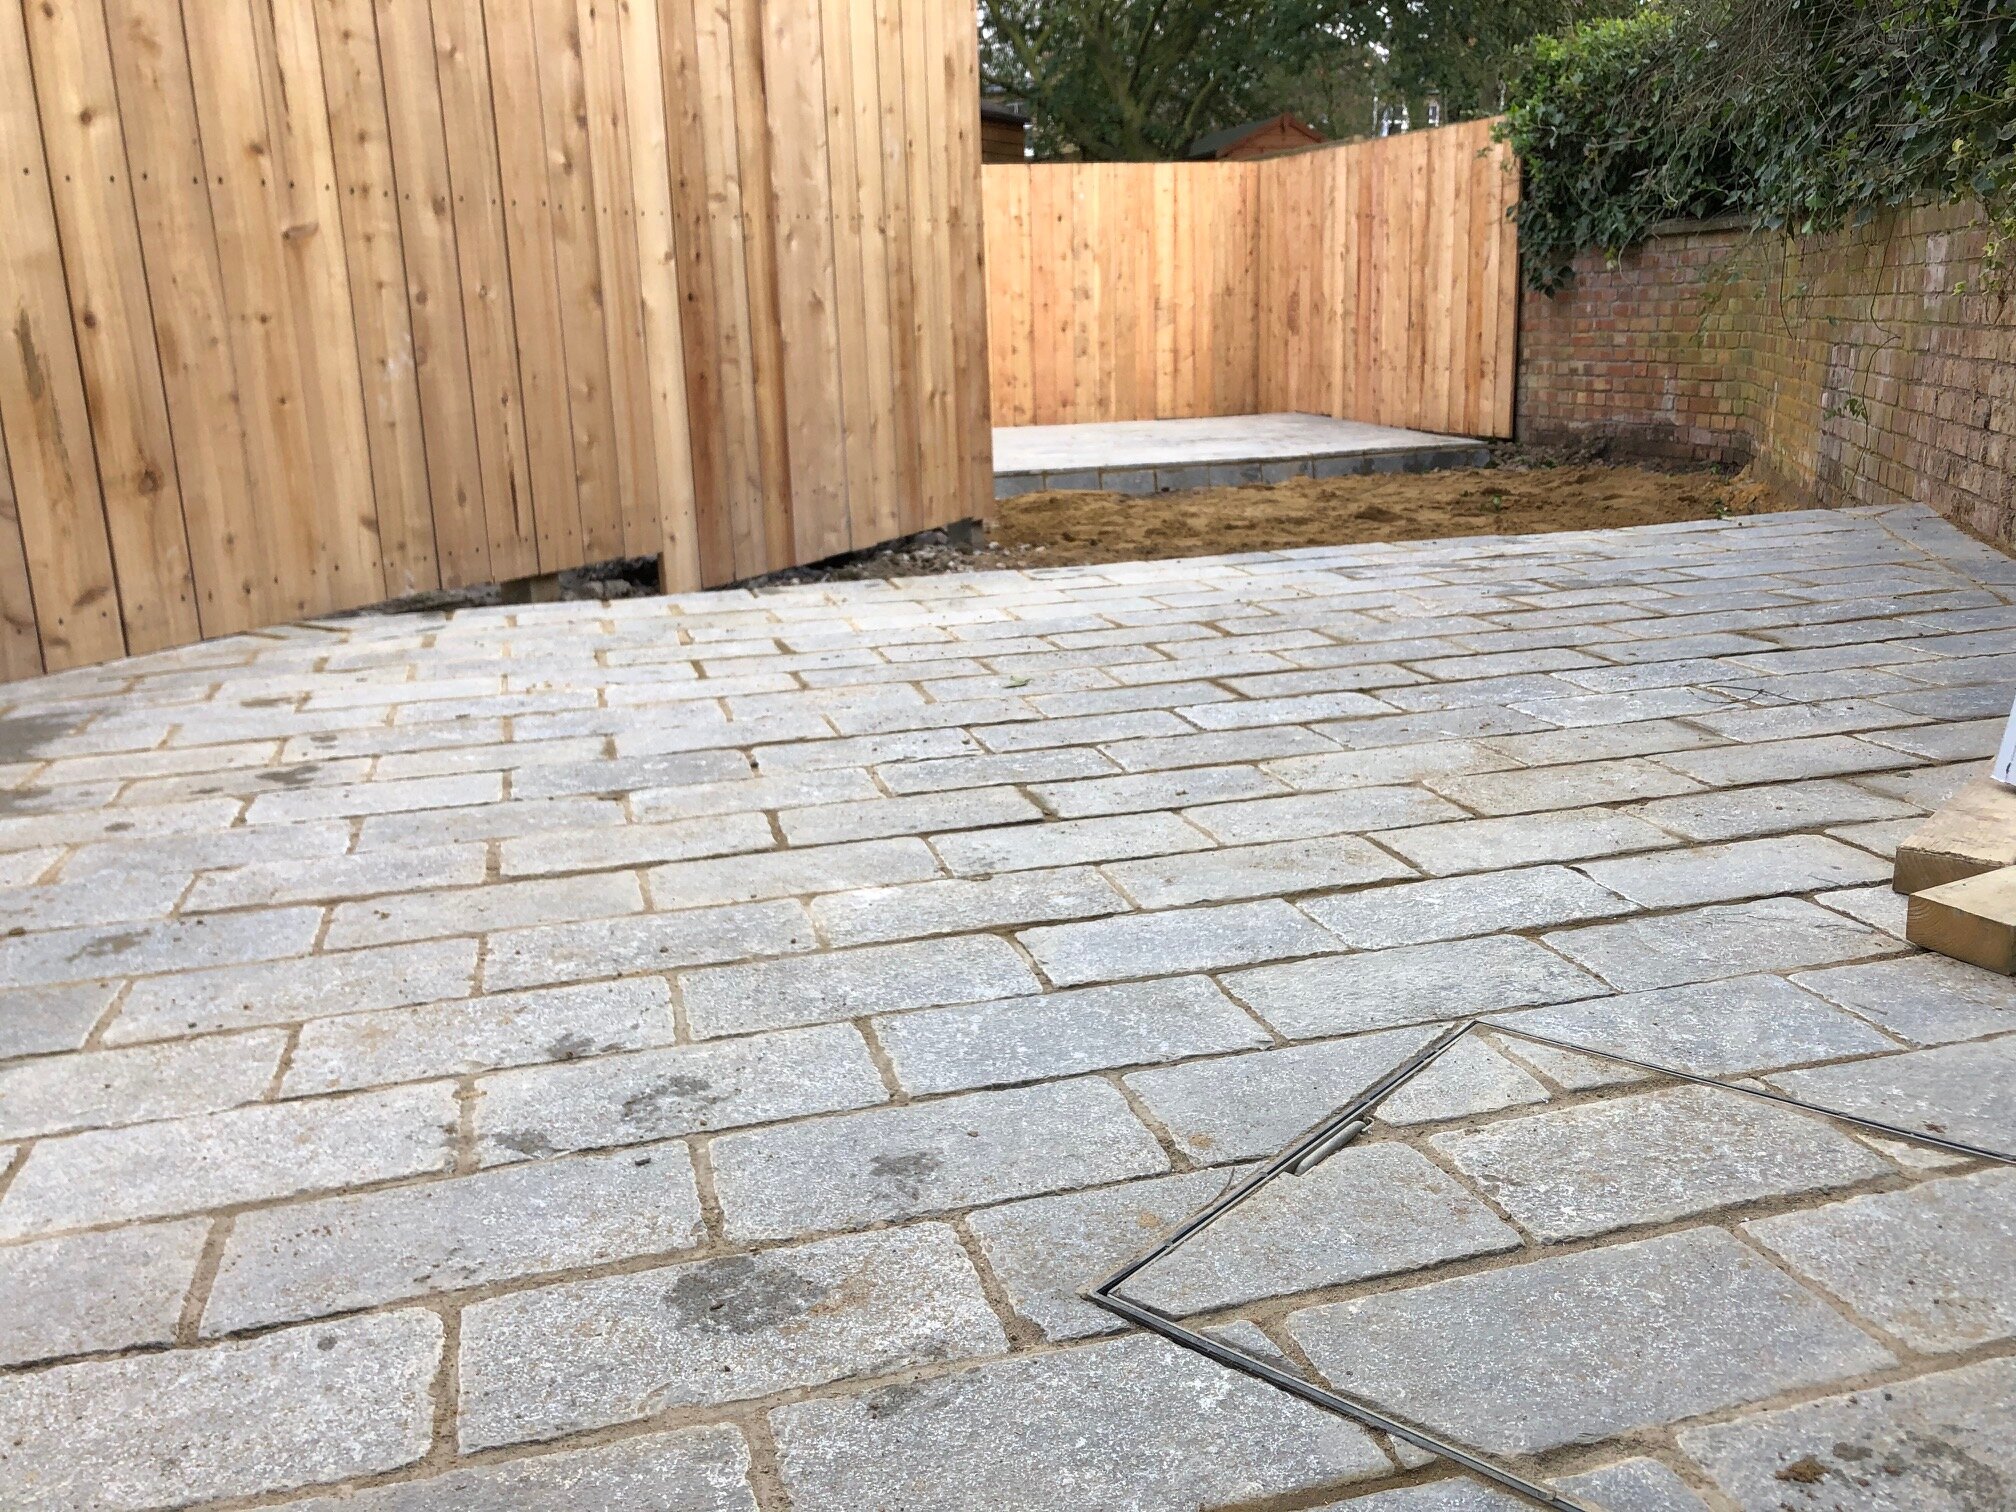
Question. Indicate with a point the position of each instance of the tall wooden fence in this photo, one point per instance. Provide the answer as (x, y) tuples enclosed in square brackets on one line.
[(309, 303), (1371, 281)]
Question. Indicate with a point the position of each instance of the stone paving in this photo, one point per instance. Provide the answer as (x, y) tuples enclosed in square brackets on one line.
[(688, 1053)]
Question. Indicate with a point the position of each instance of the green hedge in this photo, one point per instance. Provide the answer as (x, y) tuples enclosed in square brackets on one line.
[(1805, 115)]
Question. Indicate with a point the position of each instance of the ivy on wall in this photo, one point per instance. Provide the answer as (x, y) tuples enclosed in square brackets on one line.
[(1801, 115)]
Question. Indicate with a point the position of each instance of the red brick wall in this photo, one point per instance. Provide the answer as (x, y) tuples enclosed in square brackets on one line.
[(1858, 368)]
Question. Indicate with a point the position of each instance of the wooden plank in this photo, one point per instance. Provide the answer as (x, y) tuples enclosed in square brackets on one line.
[(848, 230), (1505, 246), (42, 404), (539, 329), (969, 262), (438, 94), (794, 73), (928, 110), (619, 290), (876, 509), (471, 220), (577, 264), (677, 534), (227, 531), (423, 202), (20, 647), (716, 393), (360, 138), (330, 379), (759, 256), (1972, 920), (892, 93), (112, 323)]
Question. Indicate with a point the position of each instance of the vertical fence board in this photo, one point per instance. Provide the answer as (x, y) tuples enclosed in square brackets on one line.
[(476, 221), (112, 322), (20, 647), (424, 203), (361, 141), (42, 405)]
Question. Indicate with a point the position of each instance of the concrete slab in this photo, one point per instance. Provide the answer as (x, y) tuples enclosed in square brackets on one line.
[(1151, 456)]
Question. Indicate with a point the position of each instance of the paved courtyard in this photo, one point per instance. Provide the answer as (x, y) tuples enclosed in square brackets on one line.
[(688, 1053)]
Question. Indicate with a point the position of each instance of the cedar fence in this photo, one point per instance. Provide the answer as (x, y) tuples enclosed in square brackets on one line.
[(1372, 281), (311, 303)]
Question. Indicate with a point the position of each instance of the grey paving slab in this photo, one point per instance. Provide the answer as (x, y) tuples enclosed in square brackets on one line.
[(1252, 871), (39, 1020), (478, 1034), (237, 997), (789, 873), (1448, 908), (848, 984), (688, 1470), (1134, 1423), (339, 1254), (247, 1154), (1744, 869), (1345, 811), (967, 1151), (872, 915), (1370, 1210), (1068, 842), (1941, 1441), (1063, 1034), (923, 813), (553, 953), (478, 910), (1475, 845), (1964, 1092), (610, 846), (1934, 1265), (1785, 760), (181, 944), (1720, 1028), (1387, 765), (1772, 934), (302, 1407), (1037, 768), (90, 1292), (1144, 791), (102, 1088), (1189, 939), (331, 878), (1653, 1157), (1046, 1250), (1545, 788), (1407, 985), (619, 1100), (1925, 999), (586, 1354), (1583, 1347), (1771, 809)]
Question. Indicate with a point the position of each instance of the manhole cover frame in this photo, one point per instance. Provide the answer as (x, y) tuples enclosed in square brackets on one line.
[(1335, 1132)]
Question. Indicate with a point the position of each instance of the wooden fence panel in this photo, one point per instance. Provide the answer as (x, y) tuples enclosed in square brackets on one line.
[(1370, 281), (308, 302)]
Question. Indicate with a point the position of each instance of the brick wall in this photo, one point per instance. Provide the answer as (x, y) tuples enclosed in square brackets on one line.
[(1862, 367)]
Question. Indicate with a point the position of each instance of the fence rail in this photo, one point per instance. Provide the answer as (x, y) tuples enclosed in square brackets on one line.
[(309, 303), (1371, 281)]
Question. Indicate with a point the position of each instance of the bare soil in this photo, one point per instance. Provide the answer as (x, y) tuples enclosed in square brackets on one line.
[(1106, 527), (1517, 496)]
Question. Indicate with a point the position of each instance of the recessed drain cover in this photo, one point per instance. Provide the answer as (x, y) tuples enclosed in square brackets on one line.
[(1627, 1159)]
